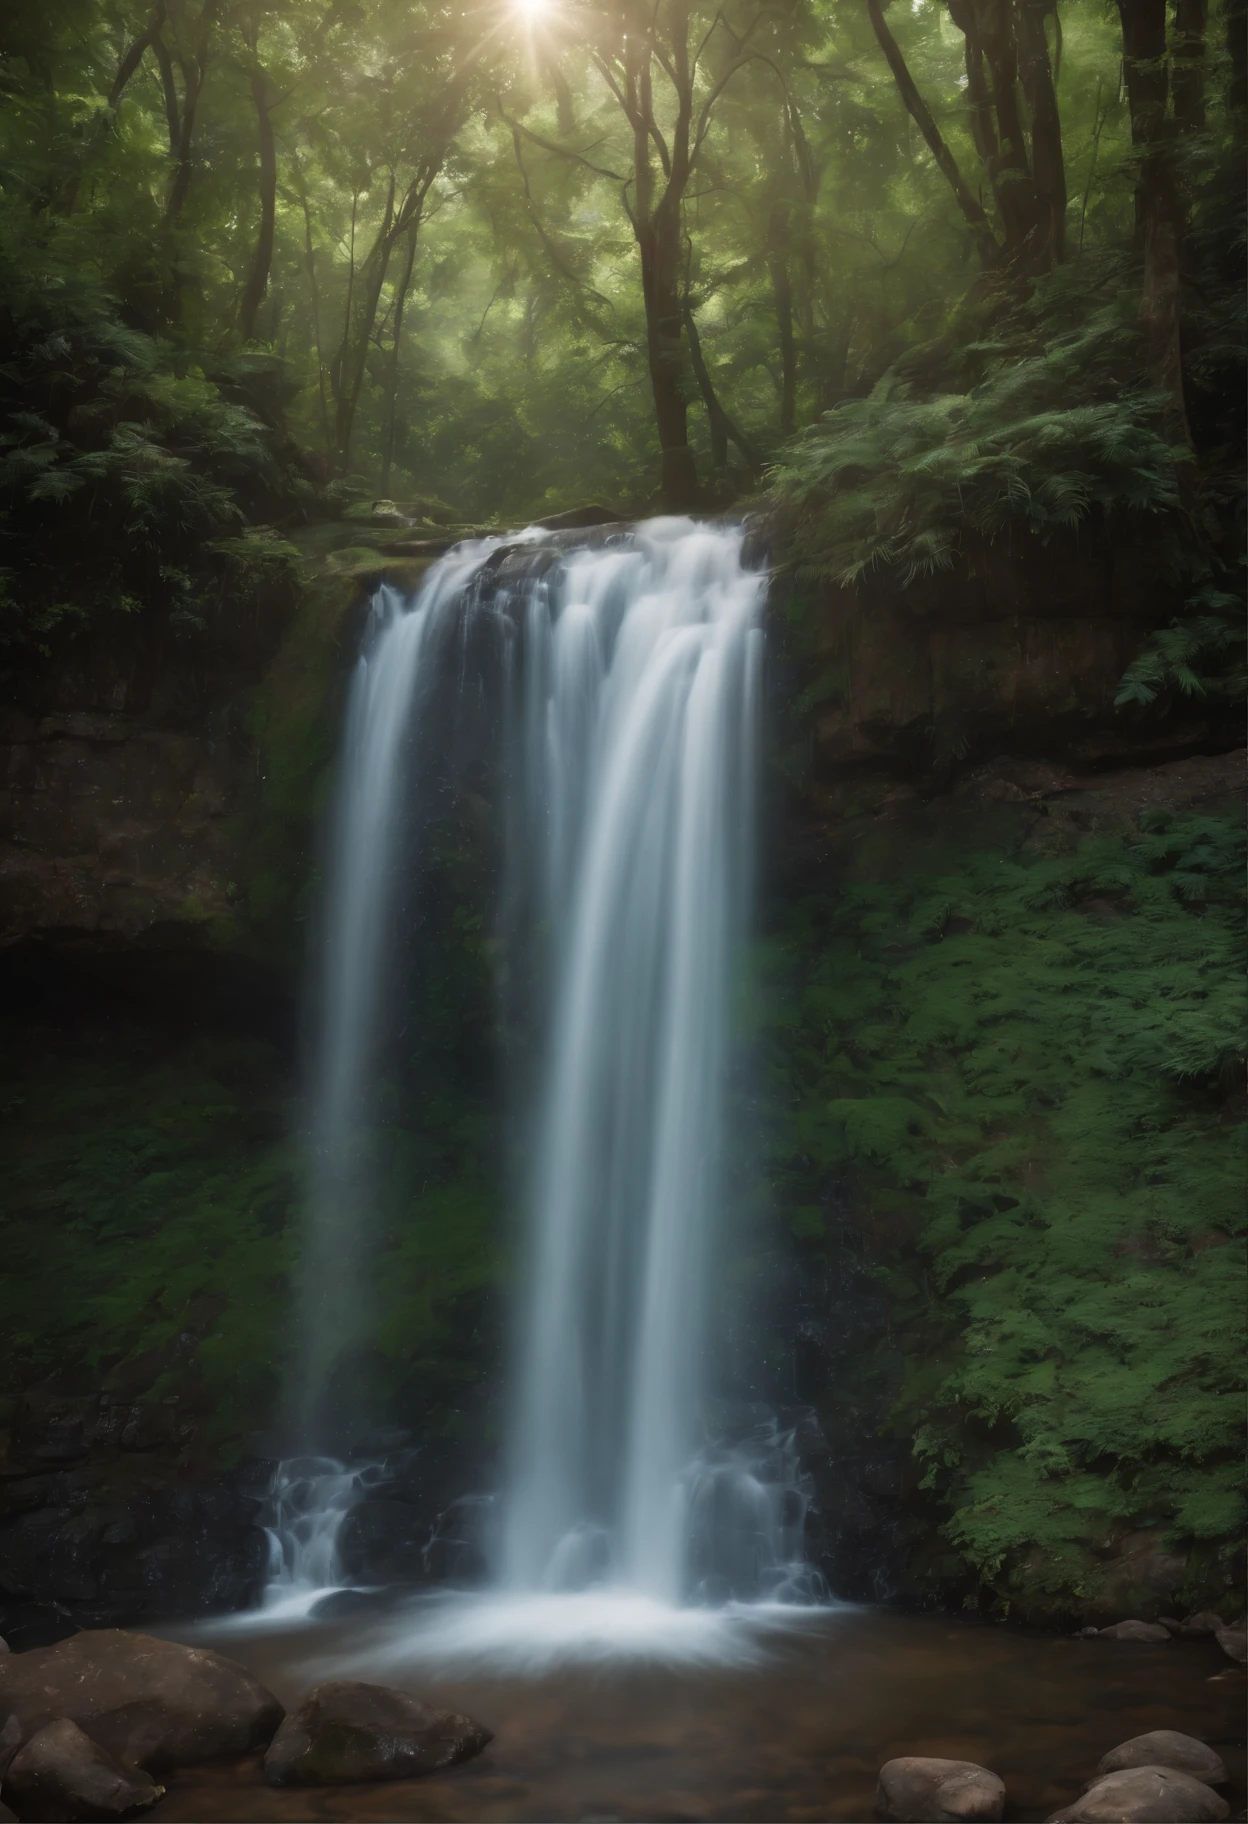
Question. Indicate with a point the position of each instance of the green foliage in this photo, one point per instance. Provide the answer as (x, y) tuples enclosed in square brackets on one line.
[(1198, 656), (1034, 1050), (504, 366), (131, 481), (151, 1209), (146, 1207), (1042, 442)]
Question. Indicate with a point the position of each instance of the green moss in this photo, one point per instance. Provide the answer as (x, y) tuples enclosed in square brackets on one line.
[(292, 719), (145, 1214), (1033, 1044)]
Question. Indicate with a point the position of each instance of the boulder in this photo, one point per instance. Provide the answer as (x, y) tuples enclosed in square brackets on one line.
[(345, 1731), (1135, 1630), (150, 1702), (1145, 1795), (10, 1742), (920, 1787), (62, 1774), (1206, 1622), (1233, 1642), (1165, 1748), (7, 1816)]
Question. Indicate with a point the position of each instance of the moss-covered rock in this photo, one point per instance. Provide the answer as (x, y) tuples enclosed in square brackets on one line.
[(1005, 1043)]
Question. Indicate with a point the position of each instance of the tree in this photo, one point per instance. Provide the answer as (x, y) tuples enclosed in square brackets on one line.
[(665, 67)]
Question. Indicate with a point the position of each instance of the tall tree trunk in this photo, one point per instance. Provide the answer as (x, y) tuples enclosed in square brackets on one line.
[(1188, 80), (392, 374), (659, 244), (722, 427), (134, 56), (193, 81), (1235, 18), (1158, 215), (992, 68), (921, 114), (351, 361), (309, 261), (193, 63), (1048, 166), (258, 277), (169, 90)]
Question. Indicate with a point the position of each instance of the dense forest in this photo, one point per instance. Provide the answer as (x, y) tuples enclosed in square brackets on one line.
[(948, 302), (930, 273)]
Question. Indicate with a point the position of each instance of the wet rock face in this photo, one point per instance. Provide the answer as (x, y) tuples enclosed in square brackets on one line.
[(62, 1775), (150, 1702), (915, 1788), (110, 824), (344, 1731), (1145, 1795), (116, 1539), (1166, 1748)]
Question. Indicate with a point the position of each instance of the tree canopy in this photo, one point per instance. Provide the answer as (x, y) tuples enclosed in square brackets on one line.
[(518, 252)]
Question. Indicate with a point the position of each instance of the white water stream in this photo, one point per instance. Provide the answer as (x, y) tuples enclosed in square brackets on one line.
[(634, 671), (641, 676)]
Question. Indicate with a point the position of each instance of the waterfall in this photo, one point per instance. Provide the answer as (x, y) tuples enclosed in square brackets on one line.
[(401, 668), (637, 746), (625, 673)]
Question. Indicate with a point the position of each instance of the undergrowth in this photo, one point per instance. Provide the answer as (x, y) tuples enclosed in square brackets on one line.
[(149, 1213), (137, 478), (1034, 1053)]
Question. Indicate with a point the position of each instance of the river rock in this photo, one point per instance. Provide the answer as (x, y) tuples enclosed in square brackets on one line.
[(1135, 1630), (1165, 1748), (1233, 1642), (1145, 1795), (10, 1742), (345, 1731), (1206, 1622), (62, 1774), (150, 1702), (920, 1787)]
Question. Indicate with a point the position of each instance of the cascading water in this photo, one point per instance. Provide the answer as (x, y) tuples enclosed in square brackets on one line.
[(400, 666), (308, 1502), (629, 668), (640, 669)]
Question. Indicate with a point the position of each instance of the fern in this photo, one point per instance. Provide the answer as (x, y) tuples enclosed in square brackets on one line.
[(1198, 655), (1043, 440)]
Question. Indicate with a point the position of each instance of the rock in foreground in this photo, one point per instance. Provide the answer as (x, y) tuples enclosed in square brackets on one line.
[(150, 1702), (62, 1774), (1165, 1748), (345, 1731), (1145, 1795), (916, 1788)]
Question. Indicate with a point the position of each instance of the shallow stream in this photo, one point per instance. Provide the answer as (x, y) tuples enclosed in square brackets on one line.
[(747, 1718)]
